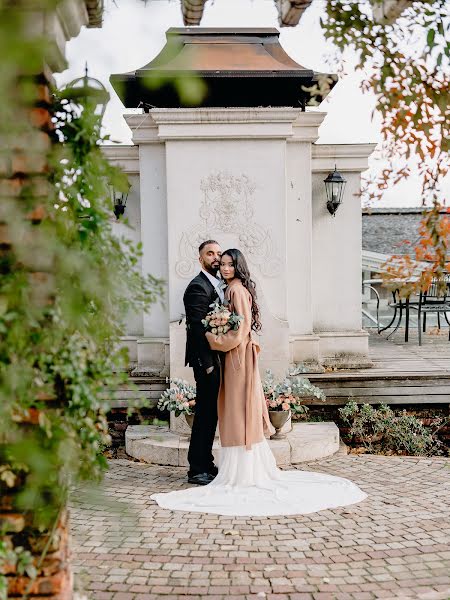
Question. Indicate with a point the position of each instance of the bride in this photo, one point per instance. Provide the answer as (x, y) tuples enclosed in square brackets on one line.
[(249, 482)]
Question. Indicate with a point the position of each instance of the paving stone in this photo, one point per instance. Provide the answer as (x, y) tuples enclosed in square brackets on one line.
[(394, 545)]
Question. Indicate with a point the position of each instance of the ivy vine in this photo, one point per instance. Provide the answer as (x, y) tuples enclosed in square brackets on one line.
[(67, 283)]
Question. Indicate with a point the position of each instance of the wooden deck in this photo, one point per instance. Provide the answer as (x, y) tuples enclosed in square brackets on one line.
[(403, 373)]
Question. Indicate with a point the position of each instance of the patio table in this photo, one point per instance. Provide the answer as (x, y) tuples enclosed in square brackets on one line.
[(428, 302), (399, 305), (403, 304)]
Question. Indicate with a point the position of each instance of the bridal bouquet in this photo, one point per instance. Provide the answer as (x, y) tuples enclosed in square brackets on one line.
[(179, 398), (221, 320), (289, 393)]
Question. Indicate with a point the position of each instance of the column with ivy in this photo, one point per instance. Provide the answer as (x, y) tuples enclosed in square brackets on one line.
[(66, 284)]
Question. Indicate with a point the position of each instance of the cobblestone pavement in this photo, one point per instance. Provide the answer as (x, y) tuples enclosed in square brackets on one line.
[(395, 544)]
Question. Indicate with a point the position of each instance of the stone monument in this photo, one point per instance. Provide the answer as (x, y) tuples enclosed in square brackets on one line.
[(243, 167)]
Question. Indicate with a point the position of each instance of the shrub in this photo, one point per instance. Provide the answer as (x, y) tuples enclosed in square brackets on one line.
[(381, 431)]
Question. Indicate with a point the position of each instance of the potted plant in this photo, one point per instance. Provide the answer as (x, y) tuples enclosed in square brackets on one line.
[(180, 399), (285, 397)]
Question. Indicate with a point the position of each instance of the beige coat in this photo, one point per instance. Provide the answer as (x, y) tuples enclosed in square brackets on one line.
[(243, 416)]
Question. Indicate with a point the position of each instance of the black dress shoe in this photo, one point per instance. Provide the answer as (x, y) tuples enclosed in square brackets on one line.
[(201, 478)]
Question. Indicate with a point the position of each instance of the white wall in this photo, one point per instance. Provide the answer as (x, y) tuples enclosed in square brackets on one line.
[(299, 237), (154, 231), (252, 179), (336, 258), (131, 231), (257, 228)]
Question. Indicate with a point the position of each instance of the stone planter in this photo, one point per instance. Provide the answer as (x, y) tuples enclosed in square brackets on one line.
[(278, 418), (189, 420)]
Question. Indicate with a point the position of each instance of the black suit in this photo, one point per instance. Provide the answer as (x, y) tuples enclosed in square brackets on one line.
[(199, 294)]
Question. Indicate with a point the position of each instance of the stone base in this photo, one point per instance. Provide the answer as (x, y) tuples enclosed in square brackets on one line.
[(345, 350), (159, 446), (153, 357), (178, 425), (130, 342), (304, 348), (346, 360), (305, 367)]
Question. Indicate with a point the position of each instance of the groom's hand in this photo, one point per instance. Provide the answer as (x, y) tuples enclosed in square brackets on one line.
[(210, 370)]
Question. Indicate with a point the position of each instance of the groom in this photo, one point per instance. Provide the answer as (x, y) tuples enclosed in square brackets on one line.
[(202, 291)]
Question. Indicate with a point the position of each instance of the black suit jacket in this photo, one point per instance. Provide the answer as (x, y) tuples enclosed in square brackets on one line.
[(199, 294)]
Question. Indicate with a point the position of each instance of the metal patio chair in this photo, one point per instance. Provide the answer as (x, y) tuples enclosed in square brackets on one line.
[(432, 301), (368, 283)]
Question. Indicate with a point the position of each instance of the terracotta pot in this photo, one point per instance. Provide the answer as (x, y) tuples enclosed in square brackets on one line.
[(189, 420), (278, 418)]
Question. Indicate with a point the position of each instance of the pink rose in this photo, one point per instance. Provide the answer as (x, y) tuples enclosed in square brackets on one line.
[(285, 406), (273, 404)]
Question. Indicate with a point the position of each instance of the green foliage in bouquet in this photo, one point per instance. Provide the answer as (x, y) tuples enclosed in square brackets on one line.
[(179, 398), (289, 393)]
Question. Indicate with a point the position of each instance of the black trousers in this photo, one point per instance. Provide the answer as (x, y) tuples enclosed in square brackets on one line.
[(200, 455)]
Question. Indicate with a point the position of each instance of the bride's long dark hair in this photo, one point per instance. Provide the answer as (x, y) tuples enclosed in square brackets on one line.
[(241, 271)]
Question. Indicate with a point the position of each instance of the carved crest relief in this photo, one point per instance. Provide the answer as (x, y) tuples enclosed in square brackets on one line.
[(227, 206)]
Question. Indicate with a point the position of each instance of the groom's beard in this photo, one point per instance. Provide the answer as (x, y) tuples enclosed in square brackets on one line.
[(212, 270)]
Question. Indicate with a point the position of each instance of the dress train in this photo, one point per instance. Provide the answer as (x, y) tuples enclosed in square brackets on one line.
[(250, 484)]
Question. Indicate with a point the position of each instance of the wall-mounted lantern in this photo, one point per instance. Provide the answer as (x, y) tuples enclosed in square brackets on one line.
[(334, 186), (119, 201), (87, 90)]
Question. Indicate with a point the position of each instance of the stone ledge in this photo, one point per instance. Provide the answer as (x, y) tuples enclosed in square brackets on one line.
[(159, 446)]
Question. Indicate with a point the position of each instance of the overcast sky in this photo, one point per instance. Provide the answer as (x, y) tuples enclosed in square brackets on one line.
[(134, 31)]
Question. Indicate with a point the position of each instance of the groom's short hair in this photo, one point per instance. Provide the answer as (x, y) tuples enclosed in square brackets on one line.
[(203, 244)]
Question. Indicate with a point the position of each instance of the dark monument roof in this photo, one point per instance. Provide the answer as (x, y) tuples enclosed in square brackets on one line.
[(240, 67), (384, 229)]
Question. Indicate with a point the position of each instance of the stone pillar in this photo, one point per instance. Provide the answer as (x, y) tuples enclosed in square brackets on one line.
[(26, 165), (304, 343), (127, 158), (226, 180), (337, 258), (152, 347), (251, 178)]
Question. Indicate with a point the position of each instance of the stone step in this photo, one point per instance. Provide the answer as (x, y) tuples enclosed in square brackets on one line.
[(382, 388), (160, 446), (142, 391)]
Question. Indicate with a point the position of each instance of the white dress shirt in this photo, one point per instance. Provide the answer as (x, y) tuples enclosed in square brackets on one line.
[(216, 283)]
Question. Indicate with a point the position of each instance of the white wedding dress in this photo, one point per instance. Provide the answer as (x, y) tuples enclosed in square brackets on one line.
[(250, 484)]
